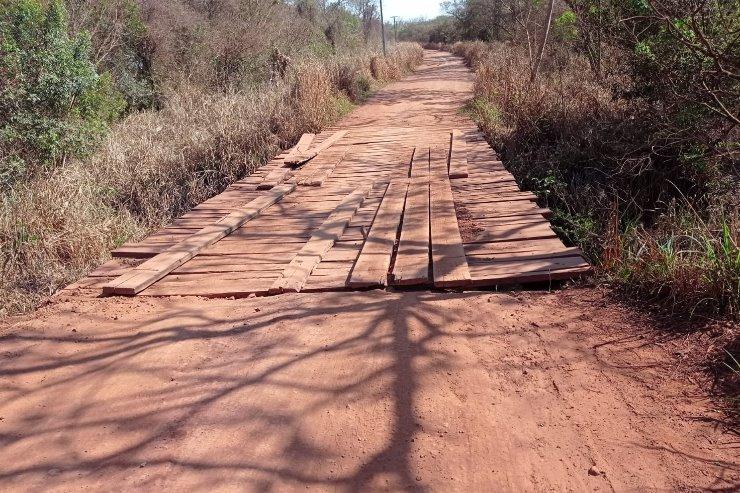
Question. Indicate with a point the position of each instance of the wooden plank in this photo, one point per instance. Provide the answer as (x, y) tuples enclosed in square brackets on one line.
[(159, 266), (302, 157), (274, 178), (515, 231), (412, 259), (529, 270), (458, 156), (438, 162), (479, 258), (449, 266), (295, 274), (319, 176), (233, 284), (371, 268), (304, 143), (521, 246)]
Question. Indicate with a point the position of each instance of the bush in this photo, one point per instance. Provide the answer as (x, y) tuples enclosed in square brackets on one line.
[(53, 104), (659, 213)]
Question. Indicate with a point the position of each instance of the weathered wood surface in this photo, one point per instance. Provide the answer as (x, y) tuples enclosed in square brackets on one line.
[(438, 209), (154, 269), (412, 259), (449, 264), (458, 156), (372, 267), (296, 273)]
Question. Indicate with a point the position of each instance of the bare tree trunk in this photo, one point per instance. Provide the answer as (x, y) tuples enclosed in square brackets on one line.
[(541, 52)]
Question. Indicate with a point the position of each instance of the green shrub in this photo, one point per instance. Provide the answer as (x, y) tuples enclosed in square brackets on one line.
[(53, 103)]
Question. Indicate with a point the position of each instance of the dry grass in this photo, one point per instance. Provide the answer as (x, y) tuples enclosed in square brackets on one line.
[(617, 186), (155, 165)]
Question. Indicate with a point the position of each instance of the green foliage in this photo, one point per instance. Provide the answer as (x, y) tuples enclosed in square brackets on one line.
[(53, 103), (694, 267), (119, 28), (565, 26), (483, 111)]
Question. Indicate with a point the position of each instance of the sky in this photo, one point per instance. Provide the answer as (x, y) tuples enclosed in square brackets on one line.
[(411, 9)]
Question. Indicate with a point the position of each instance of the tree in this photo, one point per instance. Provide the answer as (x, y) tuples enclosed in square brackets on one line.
[(53, 103), (543, 43)]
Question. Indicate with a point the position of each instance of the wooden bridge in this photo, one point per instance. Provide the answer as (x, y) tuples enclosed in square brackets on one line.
[(405, 200)]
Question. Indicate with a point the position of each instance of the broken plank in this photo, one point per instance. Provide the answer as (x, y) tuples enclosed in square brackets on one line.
[(302, 157), (304, 143), (373, 264)]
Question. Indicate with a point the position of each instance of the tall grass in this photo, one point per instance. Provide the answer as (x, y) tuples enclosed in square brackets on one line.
[(155, 165)]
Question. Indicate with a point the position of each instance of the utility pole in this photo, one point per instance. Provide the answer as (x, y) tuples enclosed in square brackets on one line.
[(395, 29), (382, 27)]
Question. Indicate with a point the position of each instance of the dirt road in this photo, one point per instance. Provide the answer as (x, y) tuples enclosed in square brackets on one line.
[(374, 390)]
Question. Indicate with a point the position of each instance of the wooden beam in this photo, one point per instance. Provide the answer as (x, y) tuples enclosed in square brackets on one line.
[(296, 273), (274, 178), (412, 259), (420, 163), (449, 265), (154, 269), (307, 155)]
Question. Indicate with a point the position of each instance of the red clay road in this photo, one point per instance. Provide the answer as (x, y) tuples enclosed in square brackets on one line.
[(359, 391)]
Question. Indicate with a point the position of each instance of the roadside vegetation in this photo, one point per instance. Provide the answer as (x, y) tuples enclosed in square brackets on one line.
[(624, 118), (118, 115)]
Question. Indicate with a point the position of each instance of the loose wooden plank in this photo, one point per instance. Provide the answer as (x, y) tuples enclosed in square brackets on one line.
[(528, 270), (302, 157), (159, 266), (514, 231), (458, 156), (520, 246), (449, 266), (412, 259), (274, 178), (304, 143), (371, 268), (295, 274), (479, 258)]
